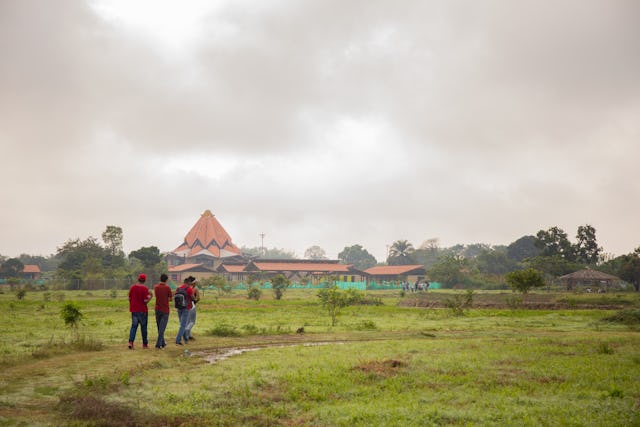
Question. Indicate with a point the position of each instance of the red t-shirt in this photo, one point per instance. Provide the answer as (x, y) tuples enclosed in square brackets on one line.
[(139, 295), (189, 294), (163, 295)]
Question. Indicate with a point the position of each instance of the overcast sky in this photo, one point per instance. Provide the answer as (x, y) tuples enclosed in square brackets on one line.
[(327, 123)]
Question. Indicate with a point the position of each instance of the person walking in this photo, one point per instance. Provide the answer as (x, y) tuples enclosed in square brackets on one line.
[(192, 312), (139, 296), (163, 295), (183, 303)]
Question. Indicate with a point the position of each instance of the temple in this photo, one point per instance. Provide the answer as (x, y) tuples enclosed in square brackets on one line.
[(206, 245)]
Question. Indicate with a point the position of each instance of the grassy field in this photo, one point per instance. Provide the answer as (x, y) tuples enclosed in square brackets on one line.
[(408, 362)]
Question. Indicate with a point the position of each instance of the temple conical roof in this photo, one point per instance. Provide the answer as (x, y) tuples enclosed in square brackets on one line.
[(207, 237)]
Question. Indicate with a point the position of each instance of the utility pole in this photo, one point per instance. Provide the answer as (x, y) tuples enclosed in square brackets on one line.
[(262, 243)]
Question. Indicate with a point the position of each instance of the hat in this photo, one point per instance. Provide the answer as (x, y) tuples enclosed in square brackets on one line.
[(142, 278)]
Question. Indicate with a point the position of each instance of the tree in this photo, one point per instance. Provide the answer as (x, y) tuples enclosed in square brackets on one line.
[(359, 257), (279, 284), (626, 267), (586, 249), (400, 253), (333, 300), (428, 252), (74, 252), (525, 280), (112, 238), (315, 252), (553, 242), (523, 248), (551, 265), (147, 255), (11, 268), (450, 270), (114, 255), (494, 262), (268, 253), (474, 250)]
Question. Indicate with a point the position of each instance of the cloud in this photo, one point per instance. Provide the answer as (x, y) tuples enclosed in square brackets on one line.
[(326, 123)]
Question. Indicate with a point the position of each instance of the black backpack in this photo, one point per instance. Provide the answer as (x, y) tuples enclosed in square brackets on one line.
[(181, 298)]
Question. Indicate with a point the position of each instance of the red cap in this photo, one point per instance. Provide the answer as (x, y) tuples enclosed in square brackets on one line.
[(142, 278)]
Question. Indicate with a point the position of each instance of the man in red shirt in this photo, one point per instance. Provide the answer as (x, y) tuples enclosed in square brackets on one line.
[(163, 295), (183, 313), (139, 296)]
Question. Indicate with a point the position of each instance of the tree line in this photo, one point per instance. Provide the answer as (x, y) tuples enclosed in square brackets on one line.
[(472, 265)]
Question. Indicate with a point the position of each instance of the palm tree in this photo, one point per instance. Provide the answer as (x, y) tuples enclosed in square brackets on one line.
[(400, 253)]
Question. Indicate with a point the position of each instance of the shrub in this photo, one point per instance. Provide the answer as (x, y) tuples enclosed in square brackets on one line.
[(224, 330), (254, 293), (279, 284), (459, 302), (71, 314), (626, 317), (333, 300), (20, 294), (525, 280)]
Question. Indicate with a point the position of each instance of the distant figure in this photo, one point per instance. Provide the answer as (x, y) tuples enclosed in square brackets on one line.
[(183, 313), (192, 312), (139, 296), (163, 295)]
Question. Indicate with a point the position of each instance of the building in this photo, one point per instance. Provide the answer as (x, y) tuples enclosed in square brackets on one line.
[(178, 273), (31, 272), (589, 278), (390, 273), (303, 270), (207, 244)]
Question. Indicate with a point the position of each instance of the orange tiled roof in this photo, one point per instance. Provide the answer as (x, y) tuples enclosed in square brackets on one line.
[(183, 267), (232, 268), (207, 237), (303, 266), (392, 270), (31, 268)]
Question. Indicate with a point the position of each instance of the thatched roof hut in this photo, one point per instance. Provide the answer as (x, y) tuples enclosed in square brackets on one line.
[(588, 277)]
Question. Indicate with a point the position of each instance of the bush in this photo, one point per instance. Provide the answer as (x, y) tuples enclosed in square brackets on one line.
[(279, 284), (223, 330), (459, 302), (71, 314), (525, 280), (254, 293), (626, 317)]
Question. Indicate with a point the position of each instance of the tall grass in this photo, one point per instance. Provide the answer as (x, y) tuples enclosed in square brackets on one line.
[(379, 365)]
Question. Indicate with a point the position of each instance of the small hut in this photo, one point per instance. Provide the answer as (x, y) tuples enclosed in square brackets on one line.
[(589, 278)]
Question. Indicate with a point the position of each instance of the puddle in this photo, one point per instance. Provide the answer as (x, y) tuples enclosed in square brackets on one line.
[(223, 354)]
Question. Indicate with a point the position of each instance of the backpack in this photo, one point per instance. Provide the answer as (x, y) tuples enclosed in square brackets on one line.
[(181, 299)]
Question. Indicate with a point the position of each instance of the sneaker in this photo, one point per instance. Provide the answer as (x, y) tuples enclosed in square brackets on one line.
[(145, 345), (130, 345), (192, 339), (178, 343)]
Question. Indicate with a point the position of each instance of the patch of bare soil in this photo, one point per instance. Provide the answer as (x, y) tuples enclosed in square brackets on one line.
[(384, 368)]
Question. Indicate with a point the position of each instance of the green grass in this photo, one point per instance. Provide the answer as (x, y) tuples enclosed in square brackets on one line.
[(385, 365)]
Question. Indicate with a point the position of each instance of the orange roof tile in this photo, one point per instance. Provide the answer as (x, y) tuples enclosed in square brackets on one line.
[(31, 268), (183, 267), (232, 268), (392, 270), (302, 266), (207, 237)]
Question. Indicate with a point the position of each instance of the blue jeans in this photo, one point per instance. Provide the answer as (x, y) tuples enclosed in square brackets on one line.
[(183, 316), (139, 318), (162, 319), (191, 322)]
